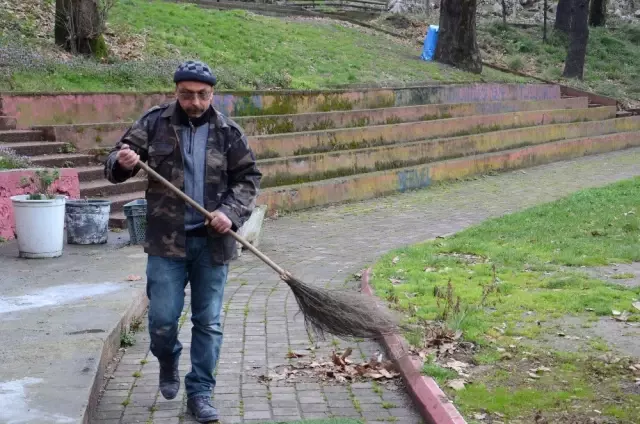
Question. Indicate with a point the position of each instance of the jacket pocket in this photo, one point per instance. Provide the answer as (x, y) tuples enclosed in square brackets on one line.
[(159, 153)]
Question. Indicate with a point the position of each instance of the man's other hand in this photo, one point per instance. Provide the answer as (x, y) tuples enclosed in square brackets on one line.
[(219, 222), (127, 158)]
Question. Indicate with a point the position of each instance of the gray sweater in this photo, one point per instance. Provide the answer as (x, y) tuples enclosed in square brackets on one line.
[(194, 141)]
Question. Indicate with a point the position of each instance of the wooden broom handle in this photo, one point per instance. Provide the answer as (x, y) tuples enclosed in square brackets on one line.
[(206, 213)]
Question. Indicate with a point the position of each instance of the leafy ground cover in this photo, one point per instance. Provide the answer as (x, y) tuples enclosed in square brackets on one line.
[(612, 61), (9, 159), (511, 322), (248, 51)]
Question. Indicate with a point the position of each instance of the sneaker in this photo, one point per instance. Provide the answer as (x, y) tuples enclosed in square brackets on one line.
[(201, 408)]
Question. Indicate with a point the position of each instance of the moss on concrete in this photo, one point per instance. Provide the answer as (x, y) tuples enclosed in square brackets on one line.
[(274, 125), (334, 102)]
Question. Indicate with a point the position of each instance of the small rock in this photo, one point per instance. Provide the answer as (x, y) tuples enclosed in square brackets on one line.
[(637, 14)]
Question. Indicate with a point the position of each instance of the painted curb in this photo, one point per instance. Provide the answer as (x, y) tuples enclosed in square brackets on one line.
[(136, 309), (431, 401)]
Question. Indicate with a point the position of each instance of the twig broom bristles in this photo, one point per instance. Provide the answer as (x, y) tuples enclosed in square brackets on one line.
[(341, 313)]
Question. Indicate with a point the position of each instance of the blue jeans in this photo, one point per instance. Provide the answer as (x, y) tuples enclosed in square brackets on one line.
[(166, 280)]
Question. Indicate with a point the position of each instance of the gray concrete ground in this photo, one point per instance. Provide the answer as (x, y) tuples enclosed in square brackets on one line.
[(55, 315), (322, 246)]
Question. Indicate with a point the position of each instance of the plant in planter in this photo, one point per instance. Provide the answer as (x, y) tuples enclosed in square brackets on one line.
[(39, 216)]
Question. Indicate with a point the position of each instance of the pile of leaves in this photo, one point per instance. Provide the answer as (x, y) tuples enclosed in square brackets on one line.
[(340, 368), (439, 341)]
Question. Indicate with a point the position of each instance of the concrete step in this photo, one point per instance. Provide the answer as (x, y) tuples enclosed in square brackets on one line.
[(104, 188), (17, 136), (281, 145), (7, 123), (63, 160), (117, 220), (118, 201), (90, 173), (374, 184), (279, 124), (314, 167), (36, 148)]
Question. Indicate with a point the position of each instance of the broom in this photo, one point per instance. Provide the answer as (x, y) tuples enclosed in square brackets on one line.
[(341, 313)]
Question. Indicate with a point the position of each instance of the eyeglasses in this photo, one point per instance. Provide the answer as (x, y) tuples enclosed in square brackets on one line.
[(190, 95)]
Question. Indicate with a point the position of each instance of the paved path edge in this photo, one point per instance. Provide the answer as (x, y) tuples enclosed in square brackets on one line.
[(135, 310), (430, 400)]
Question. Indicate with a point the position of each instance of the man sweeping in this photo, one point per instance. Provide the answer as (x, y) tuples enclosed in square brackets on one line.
[(207, 156)]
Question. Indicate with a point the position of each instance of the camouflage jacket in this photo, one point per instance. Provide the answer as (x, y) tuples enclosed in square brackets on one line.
[(232, 179)]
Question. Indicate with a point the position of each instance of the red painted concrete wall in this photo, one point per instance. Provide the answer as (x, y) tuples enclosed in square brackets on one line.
[(68, 184), (74, 108)]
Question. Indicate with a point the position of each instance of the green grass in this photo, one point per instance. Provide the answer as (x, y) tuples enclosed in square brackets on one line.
[(536, 255), (612, 61), (247, 51), (438, 373)]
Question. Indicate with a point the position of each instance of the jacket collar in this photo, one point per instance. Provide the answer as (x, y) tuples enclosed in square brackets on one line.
[(172, 112)]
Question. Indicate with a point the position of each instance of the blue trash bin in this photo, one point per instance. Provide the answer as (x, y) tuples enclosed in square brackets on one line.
[(430, 43)]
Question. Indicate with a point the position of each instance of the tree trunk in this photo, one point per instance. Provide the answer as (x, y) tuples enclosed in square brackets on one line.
[(457, 42), (61, 31), (78, 25), (544, 31), (578, 38), (598, 13), (504, 12), (563, 16)]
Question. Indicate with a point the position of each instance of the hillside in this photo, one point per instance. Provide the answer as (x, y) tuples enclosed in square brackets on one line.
[(148, 38), (612, 63)]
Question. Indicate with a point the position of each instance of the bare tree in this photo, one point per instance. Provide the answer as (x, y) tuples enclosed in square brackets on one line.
[(563, 16), (79, 24), (457, 41), (544, 31), (504, 12), (598, 13), (578, 38)]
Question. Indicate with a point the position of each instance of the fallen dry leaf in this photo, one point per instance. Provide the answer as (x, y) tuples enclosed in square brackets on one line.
[(395, 281), (540, 370), (133, 277), (533, 375), (457, 366), (339, 368), (479, 416), (636, 305), (395, 260), (294, 354), (457, 384), (623, 317)]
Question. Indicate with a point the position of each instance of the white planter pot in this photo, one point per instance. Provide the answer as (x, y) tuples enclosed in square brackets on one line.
[(39, 226)]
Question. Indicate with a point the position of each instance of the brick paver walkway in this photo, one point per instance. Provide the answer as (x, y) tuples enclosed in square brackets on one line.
[(327, 246)]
